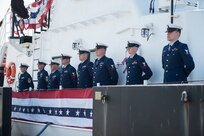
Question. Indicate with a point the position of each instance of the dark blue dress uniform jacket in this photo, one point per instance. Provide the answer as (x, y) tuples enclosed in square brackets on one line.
[(42, 79), (54, 80), (25, 82), (104, 72), (85, 74), (177, 63), (136, 66), (68, 77)]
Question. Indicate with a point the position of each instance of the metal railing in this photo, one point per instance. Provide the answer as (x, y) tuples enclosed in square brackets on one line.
[(5, 29)]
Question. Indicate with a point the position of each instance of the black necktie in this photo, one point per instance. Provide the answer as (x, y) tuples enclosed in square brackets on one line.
[(97, 62)]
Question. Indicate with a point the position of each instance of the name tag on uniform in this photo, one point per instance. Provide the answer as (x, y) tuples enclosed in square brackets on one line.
[(65, 71), (84, 67)]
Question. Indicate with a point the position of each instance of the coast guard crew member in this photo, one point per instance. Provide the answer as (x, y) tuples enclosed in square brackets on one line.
[(68, 73), (25, 80), (54, 78), (137, 68), (104, 68), (42, 76), (177, 61), (85, 70)]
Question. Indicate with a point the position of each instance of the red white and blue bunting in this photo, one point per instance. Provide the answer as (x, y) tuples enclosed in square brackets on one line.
[(65, 107)]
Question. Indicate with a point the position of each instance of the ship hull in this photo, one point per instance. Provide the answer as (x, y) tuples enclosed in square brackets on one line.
[(26, 128), (157, 110)]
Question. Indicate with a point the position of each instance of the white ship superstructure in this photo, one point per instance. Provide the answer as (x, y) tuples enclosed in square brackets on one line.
[(78, 24)]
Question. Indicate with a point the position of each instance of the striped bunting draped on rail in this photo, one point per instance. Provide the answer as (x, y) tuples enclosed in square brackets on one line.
[(65, 107)]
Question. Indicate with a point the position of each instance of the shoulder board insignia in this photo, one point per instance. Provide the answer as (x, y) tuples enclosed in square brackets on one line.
[(113, 67), (29, 80), (187, 52), (144, 64)]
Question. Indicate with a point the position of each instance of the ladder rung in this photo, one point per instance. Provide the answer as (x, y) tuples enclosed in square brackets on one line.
[(35, 59), (36, 49), (35, 69), (37, 38), (37, 32)]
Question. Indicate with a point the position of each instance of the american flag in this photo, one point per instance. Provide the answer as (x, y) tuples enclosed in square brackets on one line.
[(38, 11), (63, 107)]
